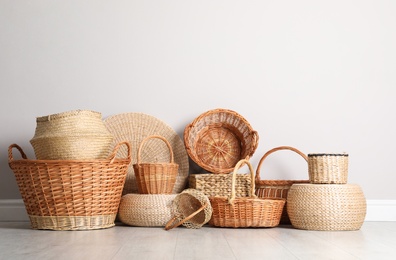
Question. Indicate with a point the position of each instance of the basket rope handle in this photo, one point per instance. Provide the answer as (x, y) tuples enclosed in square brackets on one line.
[(11, 157), (257, 178), (255, 141), (234, 173), (172, 222), (158, 137), (112, 156)]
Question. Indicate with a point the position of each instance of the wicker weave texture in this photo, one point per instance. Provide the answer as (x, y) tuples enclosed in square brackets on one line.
[(217, 139), (326, 206), (328, 168), (70, 188), (72, 135)]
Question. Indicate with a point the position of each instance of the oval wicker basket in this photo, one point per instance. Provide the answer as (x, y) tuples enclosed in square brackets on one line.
[(217, 139), (72, 135), (71, 194), (277, 188), (155, 178), (328, 168), (326, 206)]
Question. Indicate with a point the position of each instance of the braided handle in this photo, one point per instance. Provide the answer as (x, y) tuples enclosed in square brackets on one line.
[(11, 157), (172, 223), (112, 156), (158, 137), (234, 173)]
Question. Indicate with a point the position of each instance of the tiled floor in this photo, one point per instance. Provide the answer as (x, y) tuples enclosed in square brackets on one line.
[(375, 240)]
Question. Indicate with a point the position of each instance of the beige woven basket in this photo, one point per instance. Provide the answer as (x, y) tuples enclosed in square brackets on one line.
[(217, 139), (71, 194), (72, 135), (245, 211), (277, 188), (191, 208), (326, 206), (155, 178), (328, 168), (220, 184), (146, 210)]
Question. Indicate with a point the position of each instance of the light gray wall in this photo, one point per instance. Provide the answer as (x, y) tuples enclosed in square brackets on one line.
[(317, 75)]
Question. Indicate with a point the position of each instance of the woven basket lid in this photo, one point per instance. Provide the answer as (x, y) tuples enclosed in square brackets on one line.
[(134, 127)]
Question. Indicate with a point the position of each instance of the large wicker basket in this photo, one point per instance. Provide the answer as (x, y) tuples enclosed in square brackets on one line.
[(217, 139), (245, 211), (276, 188), (70, 194), (155, 177)]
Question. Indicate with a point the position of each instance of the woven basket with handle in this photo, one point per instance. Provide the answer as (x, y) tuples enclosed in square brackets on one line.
[(276, 188), (157, 177), (245, 211), (70, 194)]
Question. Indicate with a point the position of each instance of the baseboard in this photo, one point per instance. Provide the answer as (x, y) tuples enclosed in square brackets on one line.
[(377, 210)]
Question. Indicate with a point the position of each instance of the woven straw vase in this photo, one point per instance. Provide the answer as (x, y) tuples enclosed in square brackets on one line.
[(73, 135), (326, 206), (328, 168)]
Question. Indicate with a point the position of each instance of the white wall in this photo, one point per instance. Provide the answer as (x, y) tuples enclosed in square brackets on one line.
[(317, 75)]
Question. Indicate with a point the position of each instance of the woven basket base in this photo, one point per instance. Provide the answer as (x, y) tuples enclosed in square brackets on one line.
[(72, 222)]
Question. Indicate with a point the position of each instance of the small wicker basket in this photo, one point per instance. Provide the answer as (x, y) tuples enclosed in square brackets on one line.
[(71, 194), (327, 168), (155, 178), (276, 188), (217, 139), (245, 211)]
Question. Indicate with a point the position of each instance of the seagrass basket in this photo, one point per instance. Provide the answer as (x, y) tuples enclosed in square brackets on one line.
[(325, 168), (245, 211), (217, 139), (276, 188), (72, 135), (146, 210), (157, 177), (333, 207), (70, 194)]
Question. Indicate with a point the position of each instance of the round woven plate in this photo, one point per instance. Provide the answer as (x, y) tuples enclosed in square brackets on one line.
[(134, 127)]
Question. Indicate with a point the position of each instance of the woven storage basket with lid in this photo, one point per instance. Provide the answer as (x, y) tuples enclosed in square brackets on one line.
[(276, 188), (70, 194), (245, 211), (217, 139), (328, 168), (326, 206), (72, 135), (155, 177)]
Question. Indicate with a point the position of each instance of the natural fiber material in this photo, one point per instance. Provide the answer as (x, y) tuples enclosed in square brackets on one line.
[(134, 127), (146, 210), (220, 184), (191, 208), (72, 135), (155, 178), (217, 139), (245, 211), (328, 168), (276, 188), (326, 206), (70, 194)]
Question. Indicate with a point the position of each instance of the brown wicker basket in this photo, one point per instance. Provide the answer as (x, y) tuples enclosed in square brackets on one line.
[(155, 178), (328, 168), (276, 188), (70, 194), (245, 211), (217, 139)]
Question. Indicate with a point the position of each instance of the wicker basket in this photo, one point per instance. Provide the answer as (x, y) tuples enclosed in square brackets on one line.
[(73, 135), (245, 211), (146, 210), (191, 208), (328, 168), (155, 178), (220, 184), (70, 194), (217, 139), (326, 207), (276, 188)]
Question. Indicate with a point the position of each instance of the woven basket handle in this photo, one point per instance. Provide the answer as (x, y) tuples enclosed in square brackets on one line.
[(112, 156), (234, 173), (11, 157), (172, 223), (158, 137), (274, 150), (255, 141)]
